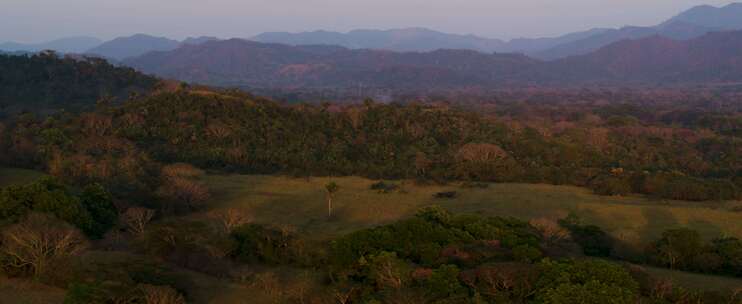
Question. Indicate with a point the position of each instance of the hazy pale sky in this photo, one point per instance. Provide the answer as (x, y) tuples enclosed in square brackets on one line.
[(37, 20)]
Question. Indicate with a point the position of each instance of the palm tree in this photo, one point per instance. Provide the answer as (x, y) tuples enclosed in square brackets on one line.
[(331, 188)]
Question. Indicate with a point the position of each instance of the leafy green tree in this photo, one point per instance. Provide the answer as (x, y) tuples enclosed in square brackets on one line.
[(677, 247)]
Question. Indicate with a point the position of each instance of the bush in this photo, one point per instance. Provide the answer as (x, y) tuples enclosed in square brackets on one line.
[(385, 188), (593, 240), (444, 283), (585, 281), (91, 211), (446, 195)]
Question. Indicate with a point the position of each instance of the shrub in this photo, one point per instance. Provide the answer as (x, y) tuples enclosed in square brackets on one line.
[(444, 283), (92, 211), (446, 195)]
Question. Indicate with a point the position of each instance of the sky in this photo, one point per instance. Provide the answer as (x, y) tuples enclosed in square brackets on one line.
[(40, 20)]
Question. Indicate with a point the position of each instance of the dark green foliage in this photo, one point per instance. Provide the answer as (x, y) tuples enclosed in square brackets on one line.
[(382, 187), (447, 194), (191, 244), (91, 211), (99, 205), (46, 81), (444, 283), (593, 240), (422, 239), (677, 248), (259, 244), (730, 251), (585, 281), (119, 280)]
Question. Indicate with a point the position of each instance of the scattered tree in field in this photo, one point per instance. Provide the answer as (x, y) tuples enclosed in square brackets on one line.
[(137, 218), (160, 295), (180, 170), (39, 242), (331, 188), (231, 218), (677, 247), (180, 185), (551, 232)]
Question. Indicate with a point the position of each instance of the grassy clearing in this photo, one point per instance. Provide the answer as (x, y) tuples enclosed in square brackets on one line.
[(15, 291), (12, 176), (696, 281), (302, 203)]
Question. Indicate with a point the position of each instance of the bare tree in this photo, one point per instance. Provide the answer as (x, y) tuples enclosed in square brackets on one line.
[(137, 218), (186, 191), (344, 297), (551, 232), (39, 242), (180, 170), (160, 295), (231, 218), (480, 153)]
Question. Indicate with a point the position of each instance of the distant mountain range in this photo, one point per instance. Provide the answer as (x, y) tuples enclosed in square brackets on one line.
[(712, 58), (124, 47), (64, 45), (701, 45), (239, 62), (418, 40), (689, 24), (727, 17), (116, 49)]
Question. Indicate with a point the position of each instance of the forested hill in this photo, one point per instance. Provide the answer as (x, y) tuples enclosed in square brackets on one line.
[(608, 148), (45, 82)]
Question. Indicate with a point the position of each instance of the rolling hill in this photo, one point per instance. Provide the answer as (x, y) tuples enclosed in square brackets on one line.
[(238, 62), (655, 60)]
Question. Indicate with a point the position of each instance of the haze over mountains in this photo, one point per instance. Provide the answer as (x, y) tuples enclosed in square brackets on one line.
[(699, 46), (64, 45), (687, 25), (656, 60)]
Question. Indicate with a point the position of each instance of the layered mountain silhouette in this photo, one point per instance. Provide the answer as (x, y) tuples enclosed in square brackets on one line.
[(64, 45), (727, 17), (239, 62), (655, 60), (124, 47), (418, 40), (687, 25), (139, 44), (713, 58)]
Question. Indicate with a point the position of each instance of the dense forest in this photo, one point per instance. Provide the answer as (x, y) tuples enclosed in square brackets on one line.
[(613, 149), (125, 176), (45, 82)]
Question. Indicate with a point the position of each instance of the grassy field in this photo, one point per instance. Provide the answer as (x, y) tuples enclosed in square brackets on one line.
[(696, 281), (16, 291), (302, 203)]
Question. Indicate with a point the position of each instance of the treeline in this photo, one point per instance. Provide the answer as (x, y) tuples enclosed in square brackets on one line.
[(44, 82), (604, 148)]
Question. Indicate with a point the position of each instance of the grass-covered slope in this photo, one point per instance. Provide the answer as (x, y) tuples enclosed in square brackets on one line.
[(302, 203)]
